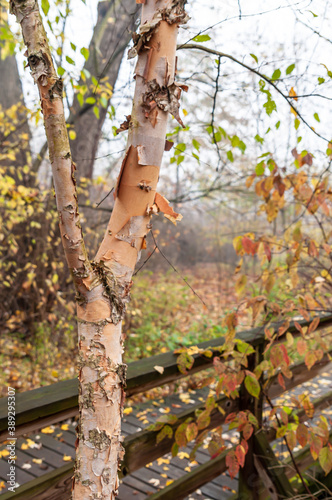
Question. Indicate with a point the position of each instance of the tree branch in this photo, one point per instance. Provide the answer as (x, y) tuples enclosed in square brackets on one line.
[(256, 72)]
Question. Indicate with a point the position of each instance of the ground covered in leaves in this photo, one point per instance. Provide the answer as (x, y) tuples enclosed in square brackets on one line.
[(164, 314)]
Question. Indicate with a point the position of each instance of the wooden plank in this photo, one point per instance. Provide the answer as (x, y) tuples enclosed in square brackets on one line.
[(193, 480), (36, 470), (50, 404), (127, 492), (54, 444), (53, 485), (48, 456), (138, 485)]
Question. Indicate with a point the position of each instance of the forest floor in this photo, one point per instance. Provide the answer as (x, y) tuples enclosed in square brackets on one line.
[(164, 313)]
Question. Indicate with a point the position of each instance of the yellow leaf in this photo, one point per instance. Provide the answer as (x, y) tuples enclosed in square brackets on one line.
[(47, 430), (4, 453), (37, 460), (170, 481), (65, 427), (24, 446), (72, 135), (66, 458), (127, 411)]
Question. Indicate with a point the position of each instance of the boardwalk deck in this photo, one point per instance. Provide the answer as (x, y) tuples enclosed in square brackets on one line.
[(41, 452)]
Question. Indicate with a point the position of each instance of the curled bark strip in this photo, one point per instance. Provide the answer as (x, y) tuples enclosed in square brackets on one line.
[(168, 145), (123, 164), (124, 125), (165, 97), (175, 14), (163, 206)]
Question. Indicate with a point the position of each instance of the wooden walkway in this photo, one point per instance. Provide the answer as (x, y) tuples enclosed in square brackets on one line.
[(53, 447)]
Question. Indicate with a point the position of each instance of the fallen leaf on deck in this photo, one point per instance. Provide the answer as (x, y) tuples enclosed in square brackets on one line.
[(159, 369)]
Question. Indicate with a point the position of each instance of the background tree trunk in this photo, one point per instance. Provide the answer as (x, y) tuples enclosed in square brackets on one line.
[(11, 94), (112, 33)]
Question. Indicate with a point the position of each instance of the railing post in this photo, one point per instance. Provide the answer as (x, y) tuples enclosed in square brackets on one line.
[(248, 477)]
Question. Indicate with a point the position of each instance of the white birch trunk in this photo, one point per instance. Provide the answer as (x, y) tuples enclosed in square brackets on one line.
[(103, 285)]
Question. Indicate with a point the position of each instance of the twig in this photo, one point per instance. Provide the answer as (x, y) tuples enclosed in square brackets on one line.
[(97, 204), (240, 11), (256, 72), (149, 257), (177, 272), (290, 451), (213, 112)]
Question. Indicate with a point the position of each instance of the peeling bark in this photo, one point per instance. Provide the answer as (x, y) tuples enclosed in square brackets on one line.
[(103, 284)]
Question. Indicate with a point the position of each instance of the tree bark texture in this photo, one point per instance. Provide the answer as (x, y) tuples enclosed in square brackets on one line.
[(112, 33), (103, 284)]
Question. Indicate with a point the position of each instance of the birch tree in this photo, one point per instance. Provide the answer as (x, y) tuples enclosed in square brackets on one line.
[(103, 284)]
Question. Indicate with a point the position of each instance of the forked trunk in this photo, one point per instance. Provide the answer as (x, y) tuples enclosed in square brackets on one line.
[(103, 284)]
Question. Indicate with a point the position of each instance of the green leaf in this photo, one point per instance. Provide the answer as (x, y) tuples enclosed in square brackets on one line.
[(70, 60), (259, 139), (185, 362), (180, 159), (201, 38), (61, 71), (260, 168), (270, 106), (217, 136), (94, 81), (180, 148), (73, 46), (96, 111), (80, 99), (276, 74), (90, 100), (320, 80), (316, 117), (290, 69), (254, 57), (180, 435), (45, 5), (103, 101), (166, 432), (85, 53), (191, 431), (196, 144), (325, 459), (195, 156), (167, 419), (278, 124), (230, 156), (296, 123), (252, 385)]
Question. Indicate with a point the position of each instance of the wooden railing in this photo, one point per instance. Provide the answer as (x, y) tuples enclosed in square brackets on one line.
[(57, 402)]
